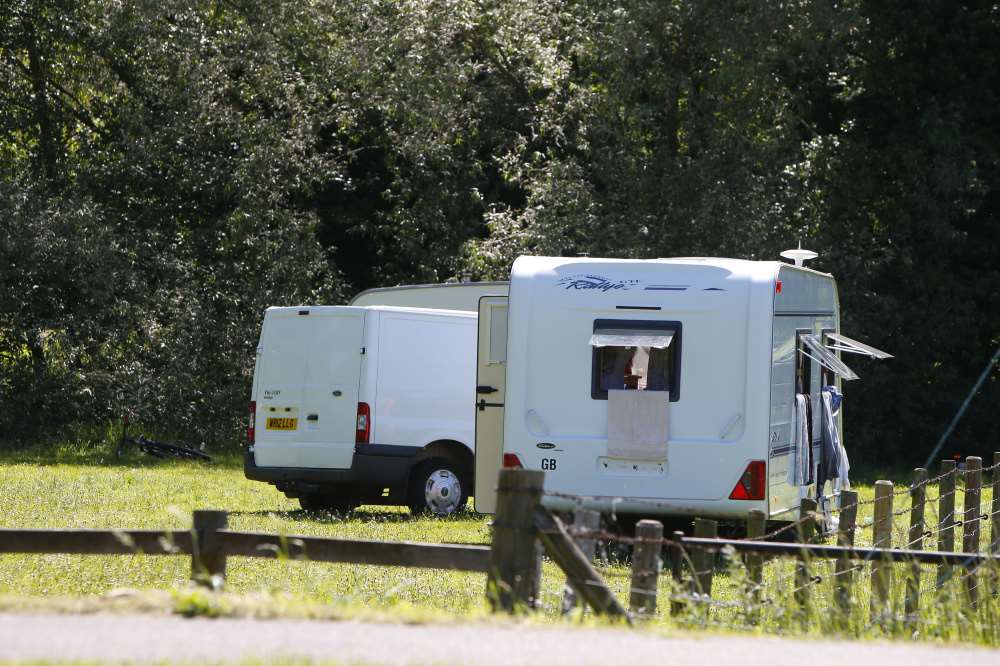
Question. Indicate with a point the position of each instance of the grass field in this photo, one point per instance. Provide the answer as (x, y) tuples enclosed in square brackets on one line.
[(80, 489)]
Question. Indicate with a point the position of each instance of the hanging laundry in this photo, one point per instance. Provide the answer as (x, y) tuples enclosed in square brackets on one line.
[(829, 451), (798, 471), (834, 465), (844, 465)]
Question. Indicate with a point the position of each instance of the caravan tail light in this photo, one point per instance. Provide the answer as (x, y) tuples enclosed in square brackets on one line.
[(364, 431), (251, 426), (753, 484), (511, 461)]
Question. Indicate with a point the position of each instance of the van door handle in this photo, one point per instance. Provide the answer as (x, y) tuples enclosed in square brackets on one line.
[(486, 389), (312, 417)]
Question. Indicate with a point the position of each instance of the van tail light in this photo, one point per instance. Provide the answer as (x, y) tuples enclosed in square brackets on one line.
[(364, 431), (511, 461), (753, 484), (252, 425)]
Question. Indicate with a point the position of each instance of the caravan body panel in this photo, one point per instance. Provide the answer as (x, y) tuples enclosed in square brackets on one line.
[(718, 410), (806, 304)]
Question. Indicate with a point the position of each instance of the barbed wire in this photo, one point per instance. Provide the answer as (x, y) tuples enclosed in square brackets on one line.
[(792, 590)]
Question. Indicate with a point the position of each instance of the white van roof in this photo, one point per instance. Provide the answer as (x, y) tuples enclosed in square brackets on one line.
[(448, 296), (379, 308)]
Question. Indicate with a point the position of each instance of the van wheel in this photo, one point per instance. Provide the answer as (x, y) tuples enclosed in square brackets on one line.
[(437, 487), (321, 502)]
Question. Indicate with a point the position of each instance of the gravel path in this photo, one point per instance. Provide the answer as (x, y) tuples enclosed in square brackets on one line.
[(158, 638)]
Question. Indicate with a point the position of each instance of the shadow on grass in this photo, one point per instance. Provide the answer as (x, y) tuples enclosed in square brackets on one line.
[(358, 515), (104, 455), (364, 514)]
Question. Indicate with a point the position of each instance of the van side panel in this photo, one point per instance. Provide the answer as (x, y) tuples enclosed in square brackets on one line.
[(426, 379), (308, 370)]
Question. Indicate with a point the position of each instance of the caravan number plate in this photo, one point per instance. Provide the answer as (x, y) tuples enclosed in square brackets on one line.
[(282, 424)]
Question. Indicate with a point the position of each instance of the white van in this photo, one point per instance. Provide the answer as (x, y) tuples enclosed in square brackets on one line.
[(660, 387), (370, 405)]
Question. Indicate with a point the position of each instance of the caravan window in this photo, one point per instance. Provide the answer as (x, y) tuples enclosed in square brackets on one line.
[(813, 348), (639, 355)]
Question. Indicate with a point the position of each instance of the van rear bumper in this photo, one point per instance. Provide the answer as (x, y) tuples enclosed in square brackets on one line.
[(373, 465)]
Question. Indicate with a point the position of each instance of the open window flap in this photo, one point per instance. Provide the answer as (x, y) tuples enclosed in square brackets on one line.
[(632, 338), (844, 343), (826, 358)]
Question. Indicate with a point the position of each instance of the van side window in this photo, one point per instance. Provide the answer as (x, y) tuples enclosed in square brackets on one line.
[(635, 355)]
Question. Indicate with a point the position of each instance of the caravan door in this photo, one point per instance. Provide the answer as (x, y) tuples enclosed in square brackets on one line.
[(491, 381)]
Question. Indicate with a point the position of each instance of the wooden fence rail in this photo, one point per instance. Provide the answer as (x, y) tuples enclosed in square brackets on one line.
[(210, 546), (249, 544), (96, 542)]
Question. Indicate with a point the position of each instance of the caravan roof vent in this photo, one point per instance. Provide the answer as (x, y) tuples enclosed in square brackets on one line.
[(799, 256)]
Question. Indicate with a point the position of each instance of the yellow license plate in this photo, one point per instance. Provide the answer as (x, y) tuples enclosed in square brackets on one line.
[(282, 424)]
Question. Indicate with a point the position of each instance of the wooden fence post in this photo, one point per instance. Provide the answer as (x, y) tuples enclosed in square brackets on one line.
[(588, 521), (806, 530), (515, 556), (578, 569), (702, 560), (677, 571), (995, 512), (995, 524), (208, 556), (756, 523), (646, 564), (970, 519), (946, 517), (918, 496), (882, 538), (844, 571)]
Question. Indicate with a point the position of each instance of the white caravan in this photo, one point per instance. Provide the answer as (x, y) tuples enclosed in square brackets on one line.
[(368, 405), (660, 387)]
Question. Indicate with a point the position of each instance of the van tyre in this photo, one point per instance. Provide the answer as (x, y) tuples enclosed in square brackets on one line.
[(437, 486), (322, 502)]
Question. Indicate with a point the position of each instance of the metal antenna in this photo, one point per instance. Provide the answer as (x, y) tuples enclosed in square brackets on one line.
[(799, 256)]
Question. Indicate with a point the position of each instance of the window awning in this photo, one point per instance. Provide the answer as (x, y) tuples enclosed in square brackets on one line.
[(819, 353), (844, 343), (632, 338)]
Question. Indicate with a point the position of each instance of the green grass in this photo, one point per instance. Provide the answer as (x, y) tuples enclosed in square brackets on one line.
[(150, 494), (89, 488)]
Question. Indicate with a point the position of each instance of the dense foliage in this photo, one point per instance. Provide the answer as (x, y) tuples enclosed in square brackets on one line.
[(169, 169)]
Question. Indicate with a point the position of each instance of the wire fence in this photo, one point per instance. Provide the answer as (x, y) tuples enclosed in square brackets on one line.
[(885, 579)]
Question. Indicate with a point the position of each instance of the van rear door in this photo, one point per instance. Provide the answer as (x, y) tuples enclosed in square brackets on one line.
[(491, 381), (309, 365)]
